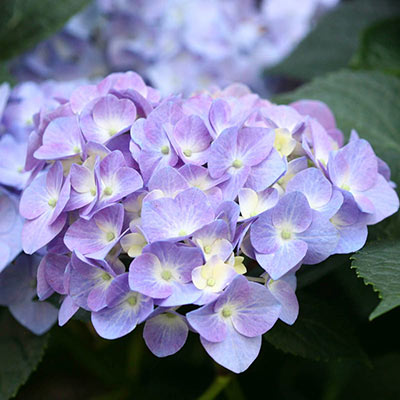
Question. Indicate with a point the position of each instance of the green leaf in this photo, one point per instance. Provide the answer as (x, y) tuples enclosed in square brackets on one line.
[(333, 42), (24, 23), (380, 47), (370, 103), (20, 353), (379, 265), (321, 332)]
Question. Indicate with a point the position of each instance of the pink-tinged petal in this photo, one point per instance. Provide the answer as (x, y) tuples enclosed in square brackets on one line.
[(116, 322), (316, 109), (67, 310), (43, 289), (62, 200), (384, 169), (169, 181), (55, 265), (165, 334), (219, 115), (96, 237), (145, 277), (337, 136), (152, 160), (286, 296), (236, 352), (97, 300), (111, 112), (190, 137), (351, 238), (354, 166), (237, 293), (292, 212), (79, 200), (253, 203), (215, 235), (254, 145), (230, 188), (283, 116), (55, 179), (284, 259), (207, 323), (61, 139), (313, 184), (127, 181), (143, 106), (333, 205), (258, 314), (363, 202), (83, 278), (180, 258), (197, 176), (122, 143), (96, 150), (384, 199), (37, 232), (264, 236), (125, 310), (223, 152), (183, 293), (322, 143), (321, 238), (171, 218), (266, 172), (34, 142), (82, 178), (229, 212), (112, 162), (81, 96), (34, 200)]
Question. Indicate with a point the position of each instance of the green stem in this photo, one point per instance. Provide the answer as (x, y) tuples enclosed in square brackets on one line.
[(219, 384)]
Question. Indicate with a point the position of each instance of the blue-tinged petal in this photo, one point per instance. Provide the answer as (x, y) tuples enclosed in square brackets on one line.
[(236, 352), (165, 334)]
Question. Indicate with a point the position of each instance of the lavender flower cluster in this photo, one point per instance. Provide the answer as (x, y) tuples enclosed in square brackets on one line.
[(177, 45), (17, 114), (143, 209)]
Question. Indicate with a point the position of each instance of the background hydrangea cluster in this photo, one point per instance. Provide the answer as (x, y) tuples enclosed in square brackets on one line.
[(142, 208), (177, 45)]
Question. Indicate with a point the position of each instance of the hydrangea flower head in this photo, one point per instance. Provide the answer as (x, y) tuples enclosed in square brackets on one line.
[(145, 207)]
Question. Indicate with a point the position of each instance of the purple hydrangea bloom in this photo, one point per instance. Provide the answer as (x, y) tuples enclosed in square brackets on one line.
[(139, 205)]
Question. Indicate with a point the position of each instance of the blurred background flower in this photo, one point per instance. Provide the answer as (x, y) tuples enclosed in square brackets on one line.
[(177, 45)]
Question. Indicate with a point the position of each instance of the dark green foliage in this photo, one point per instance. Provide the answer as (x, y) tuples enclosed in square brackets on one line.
[(380, 47), (20, 353), (333, 42), (379, 265), (24, 23)]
